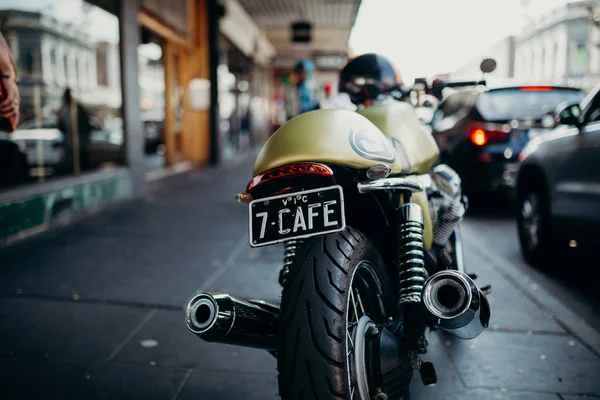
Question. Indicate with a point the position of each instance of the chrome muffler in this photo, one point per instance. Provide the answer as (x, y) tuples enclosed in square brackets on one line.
[(454, 303), (218, 317)]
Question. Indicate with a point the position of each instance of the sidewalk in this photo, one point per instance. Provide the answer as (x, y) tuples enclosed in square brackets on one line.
[(95, 310)]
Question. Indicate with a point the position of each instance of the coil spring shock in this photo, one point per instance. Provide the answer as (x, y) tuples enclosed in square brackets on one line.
[(290, 249), (410, 260)]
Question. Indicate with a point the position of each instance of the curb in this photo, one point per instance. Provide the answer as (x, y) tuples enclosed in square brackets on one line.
[(554, 308)]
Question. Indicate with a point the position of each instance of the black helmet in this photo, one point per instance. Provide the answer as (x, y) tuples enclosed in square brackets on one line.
[(367, 76)]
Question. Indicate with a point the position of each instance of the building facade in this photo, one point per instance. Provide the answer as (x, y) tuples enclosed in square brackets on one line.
[(100, 78), (561, 46), (502, 51)]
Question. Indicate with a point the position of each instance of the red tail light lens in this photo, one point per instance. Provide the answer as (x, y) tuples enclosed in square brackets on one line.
[(536, 88), (480, 133), (478, 137), (290, 170)]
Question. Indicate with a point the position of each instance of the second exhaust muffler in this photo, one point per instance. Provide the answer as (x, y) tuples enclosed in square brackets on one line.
[(454, 303), (218, 317)]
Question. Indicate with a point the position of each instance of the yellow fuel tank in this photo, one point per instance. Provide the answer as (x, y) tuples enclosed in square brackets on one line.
[(339, 137), (399, 122)]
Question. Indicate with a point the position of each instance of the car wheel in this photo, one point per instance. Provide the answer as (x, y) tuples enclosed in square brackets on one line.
[(533, 221)]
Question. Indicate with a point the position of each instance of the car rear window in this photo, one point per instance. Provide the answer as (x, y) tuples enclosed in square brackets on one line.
[(516, 103)]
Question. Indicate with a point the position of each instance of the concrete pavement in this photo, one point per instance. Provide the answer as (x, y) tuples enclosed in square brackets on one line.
[(94, 310)]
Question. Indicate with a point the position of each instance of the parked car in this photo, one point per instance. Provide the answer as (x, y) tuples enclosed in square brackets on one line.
[(46, 152), (482, 133), (13, 162), (558, 183)]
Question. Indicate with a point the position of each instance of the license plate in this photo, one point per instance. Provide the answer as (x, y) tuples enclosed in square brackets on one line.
[(296, 215)]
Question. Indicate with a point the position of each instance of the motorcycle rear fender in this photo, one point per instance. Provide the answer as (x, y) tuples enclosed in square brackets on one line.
[(339, 138), (335, 137)]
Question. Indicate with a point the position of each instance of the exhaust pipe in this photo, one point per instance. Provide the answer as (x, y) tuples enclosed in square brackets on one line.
[(218, 317), (455, 304)]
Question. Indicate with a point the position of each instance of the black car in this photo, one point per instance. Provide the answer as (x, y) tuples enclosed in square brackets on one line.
[(482, 132), (558, 184)]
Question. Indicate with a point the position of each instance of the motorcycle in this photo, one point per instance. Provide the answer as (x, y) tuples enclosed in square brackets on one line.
[(372, 256)]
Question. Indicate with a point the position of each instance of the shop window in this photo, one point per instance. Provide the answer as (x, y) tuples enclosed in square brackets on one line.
[(28, 62), (50, 142)]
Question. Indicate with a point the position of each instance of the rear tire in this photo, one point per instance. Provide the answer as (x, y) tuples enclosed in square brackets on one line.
[(533, 224), (316, 313)]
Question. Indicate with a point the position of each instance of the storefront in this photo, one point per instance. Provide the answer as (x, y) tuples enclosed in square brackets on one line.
[(89, 116)]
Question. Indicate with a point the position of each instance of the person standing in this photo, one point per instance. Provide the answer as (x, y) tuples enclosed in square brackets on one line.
[(13, 162), (83, 129), (306, 88), (9, 107)]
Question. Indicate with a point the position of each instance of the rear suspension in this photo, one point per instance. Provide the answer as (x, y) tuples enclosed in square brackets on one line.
[(290, 249), (410, 259), (410, 267)]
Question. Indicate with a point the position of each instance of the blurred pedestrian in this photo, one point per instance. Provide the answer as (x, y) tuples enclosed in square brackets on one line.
[(9, 107), (291, 97), (306, 87), (84, 130)]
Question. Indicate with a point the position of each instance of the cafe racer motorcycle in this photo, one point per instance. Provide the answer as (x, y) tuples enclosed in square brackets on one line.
[(372, 256)]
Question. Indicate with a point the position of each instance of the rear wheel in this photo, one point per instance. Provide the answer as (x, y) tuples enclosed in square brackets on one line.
[(335, 281), (533, 222)]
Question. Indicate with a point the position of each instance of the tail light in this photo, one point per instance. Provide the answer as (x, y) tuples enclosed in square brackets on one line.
[(480, 133), (535, 88), (300, 169)]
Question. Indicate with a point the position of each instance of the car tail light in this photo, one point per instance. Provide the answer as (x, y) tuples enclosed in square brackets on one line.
[(480, 133), (535, 88), (478, 137), (290, 170)]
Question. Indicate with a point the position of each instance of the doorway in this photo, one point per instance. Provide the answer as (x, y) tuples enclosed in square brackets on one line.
[(161, 106)]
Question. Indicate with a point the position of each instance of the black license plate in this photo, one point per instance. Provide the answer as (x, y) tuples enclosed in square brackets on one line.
[(296, 215)]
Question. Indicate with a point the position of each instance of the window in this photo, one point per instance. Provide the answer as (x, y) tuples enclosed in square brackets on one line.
[(592, 110), (28, 62), (52, 58), (514, 103), (42, 147)]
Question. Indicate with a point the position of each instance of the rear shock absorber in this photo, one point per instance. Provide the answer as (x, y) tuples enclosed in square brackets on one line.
[(290, 248), (410, 259)]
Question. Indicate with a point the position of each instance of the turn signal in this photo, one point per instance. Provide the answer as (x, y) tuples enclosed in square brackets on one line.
[(290, 170)]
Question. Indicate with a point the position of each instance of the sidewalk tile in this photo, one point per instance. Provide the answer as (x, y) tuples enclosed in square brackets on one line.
[(254, 280), (75, 331), (481, 394), (177, 346), (510, 307), (28, 379), (527, 362), (212, 385), (134, 269)]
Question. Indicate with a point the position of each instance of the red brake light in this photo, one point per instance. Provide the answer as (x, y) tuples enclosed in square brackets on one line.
[(478, 137), (290, 170), (480, 133), (536, 88)]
